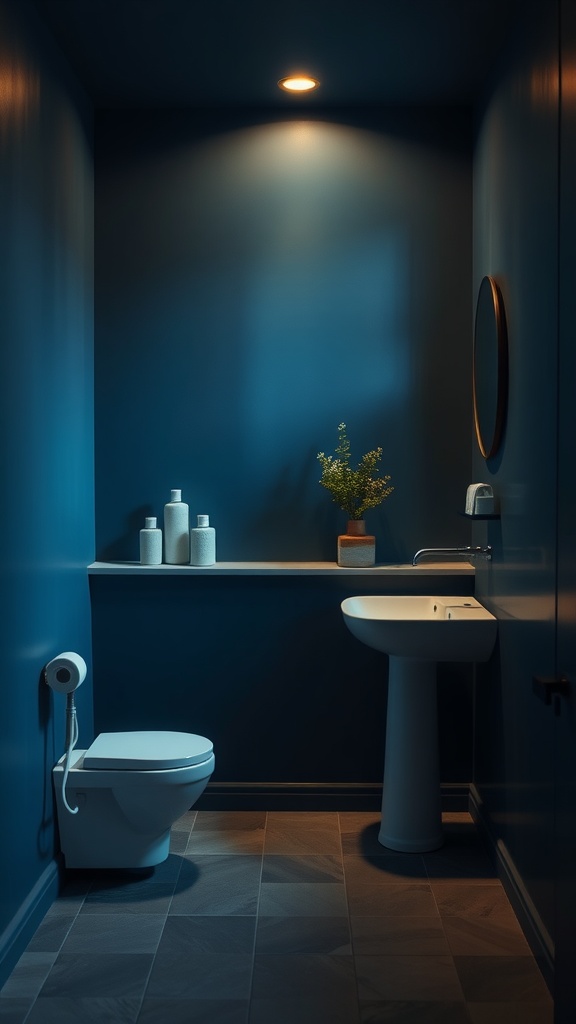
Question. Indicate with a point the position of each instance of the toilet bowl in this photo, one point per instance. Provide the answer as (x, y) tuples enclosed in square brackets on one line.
[(129, 787)]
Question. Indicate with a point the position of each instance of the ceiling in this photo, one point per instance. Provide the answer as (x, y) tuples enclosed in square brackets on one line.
[(160, 53)]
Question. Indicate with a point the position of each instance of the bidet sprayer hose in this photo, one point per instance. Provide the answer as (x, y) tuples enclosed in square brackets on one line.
[(71, 740)]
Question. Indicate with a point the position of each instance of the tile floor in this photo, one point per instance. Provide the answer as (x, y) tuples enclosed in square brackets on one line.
[(283, 918)]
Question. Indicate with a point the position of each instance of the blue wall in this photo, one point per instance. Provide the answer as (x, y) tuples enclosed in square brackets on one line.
[(260, 279), (266, 668), (565, 739), (46, 481), (521, 743)]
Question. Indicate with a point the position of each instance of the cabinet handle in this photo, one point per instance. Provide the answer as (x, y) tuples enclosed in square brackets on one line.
[(545, 686)]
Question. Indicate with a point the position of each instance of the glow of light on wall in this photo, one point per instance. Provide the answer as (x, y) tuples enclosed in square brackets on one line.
[(19, 92)]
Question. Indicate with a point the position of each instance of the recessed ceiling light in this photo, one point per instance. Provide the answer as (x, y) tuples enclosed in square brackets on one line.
[(298, 83)]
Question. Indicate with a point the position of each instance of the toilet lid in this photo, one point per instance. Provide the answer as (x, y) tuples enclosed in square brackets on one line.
[(147, 751)]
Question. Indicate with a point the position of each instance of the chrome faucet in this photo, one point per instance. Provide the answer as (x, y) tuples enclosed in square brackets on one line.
[(470, 551)]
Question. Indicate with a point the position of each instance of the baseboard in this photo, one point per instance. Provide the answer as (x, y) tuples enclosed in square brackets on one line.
[(535, 931), (310, 796), (17, 935)]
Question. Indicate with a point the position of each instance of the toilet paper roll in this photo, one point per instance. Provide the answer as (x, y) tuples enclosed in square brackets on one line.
[(65, 672)]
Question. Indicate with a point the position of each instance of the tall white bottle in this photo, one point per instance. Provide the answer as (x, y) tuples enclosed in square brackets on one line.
[(203, 542), (150, 543), (176, 530)]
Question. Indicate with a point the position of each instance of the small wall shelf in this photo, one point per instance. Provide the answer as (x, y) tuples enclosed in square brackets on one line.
[(280, 569)]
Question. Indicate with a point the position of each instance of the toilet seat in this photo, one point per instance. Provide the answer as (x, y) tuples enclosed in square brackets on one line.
[(146, 751)]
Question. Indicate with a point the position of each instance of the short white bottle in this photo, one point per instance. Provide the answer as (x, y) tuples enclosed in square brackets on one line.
[(203, 542), (176, 530), (150, 543)]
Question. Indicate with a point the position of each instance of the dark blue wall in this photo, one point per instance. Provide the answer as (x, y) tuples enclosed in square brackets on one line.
[(516, 210), (266, 668), (260, 279), (46, 479), (565, 718)]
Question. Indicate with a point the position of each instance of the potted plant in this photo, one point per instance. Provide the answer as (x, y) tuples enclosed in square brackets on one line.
[(355, 490)]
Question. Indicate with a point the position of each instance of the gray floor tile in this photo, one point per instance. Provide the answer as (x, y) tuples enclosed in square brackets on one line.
[(354, 822), (301, 935), (114, 933), (194, 1011), (192, 935), (418, 936), (230, 821), (359, 834), (144, 898), (221, 885), (408, 978), (29, 975), (236, 841), (485, 937), (302, 899), (203, 976), (287, 841), (48, 938), (409, 899), (391, 869), (96, 975), (540, 1012), (478, 900), (57, 1010), (327, 868), (426, 1012), (514, 979), (460, 862), (310, 977), (299, 821), (13, 1011), (327, 1009)]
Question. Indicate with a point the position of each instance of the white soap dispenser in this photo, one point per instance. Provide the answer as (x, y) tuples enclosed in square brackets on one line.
[(203, 542), (176, 530), (150, 543)]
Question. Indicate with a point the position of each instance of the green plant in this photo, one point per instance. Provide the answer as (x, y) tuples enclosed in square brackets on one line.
[(354, 490)]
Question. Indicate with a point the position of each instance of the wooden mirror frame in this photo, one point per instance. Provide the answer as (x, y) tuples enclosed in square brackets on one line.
[(490, 359)]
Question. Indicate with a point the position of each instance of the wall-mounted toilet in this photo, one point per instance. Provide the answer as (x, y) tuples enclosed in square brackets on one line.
[(130, 788)]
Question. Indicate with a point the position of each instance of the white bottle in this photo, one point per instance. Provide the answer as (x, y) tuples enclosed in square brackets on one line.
[(203, 542), (150, 543), (176, 530)]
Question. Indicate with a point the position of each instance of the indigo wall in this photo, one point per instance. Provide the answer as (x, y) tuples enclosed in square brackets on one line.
[(259, 280), (565, 720), (266, 668), (525, 766), (46, 480)]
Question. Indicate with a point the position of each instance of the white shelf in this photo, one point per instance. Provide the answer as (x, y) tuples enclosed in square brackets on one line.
[(280, 569)]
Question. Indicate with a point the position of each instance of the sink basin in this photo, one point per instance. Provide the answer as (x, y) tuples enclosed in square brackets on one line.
[(429, 628), (416, 633)]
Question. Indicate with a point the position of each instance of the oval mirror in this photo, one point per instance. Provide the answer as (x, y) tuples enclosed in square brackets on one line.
[(490, 368)]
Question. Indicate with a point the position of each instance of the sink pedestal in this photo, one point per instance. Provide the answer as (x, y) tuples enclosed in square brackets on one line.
[(411, 803), (416, 633)]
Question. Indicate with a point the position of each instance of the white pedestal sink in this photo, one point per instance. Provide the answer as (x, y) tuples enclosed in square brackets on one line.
[(416, 633)]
